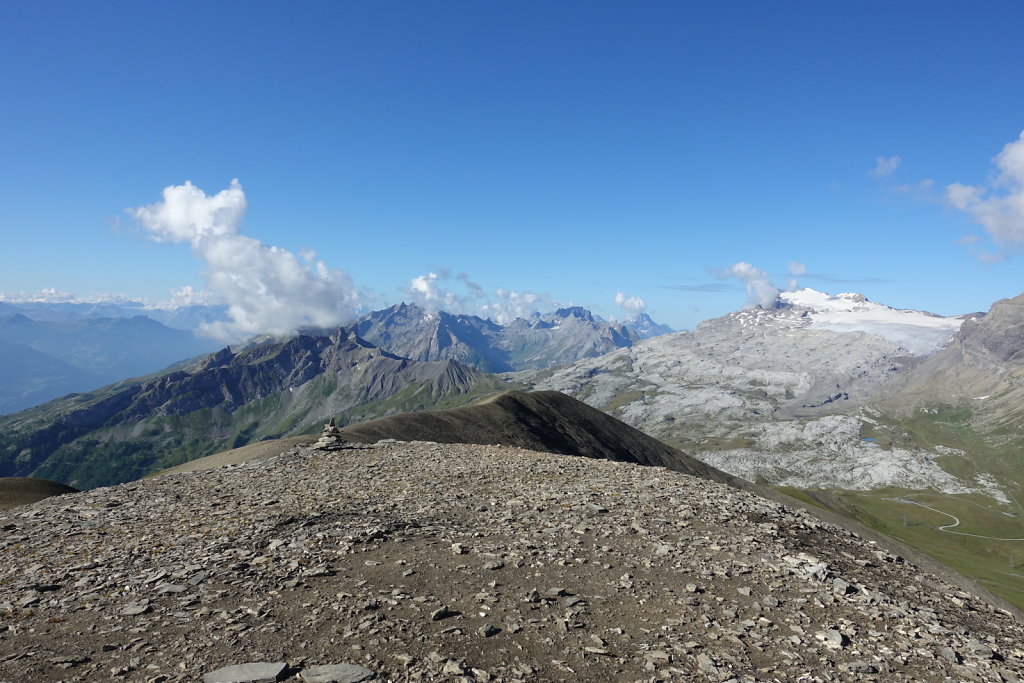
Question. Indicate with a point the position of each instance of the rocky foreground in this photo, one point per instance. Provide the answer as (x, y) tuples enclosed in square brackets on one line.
[(422, 561)]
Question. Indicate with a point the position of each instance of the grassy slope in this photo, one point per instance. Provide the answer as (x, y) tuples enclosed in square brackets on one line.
[(996, 564)]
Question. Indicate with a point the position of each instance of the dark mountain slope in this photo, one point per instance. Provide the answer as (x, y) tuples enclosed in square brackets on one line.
[(15, 491), (546, 421)]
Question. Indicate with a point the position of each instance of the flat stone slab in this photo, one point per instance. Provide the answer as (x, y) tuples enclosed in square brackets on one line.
[(253, 672), (336, 673)]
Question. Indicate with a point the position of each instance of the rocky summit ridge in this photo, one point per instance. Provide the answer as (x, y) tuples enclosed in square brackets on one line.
[(425, 561)]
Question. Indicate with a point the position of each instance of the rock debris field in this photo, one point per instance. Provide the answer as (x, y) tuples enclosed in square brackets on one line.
[(421, 561)]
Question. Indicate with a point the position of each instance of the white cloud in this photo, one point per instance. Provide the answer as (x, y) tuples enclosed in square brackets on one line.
[(268, 290), (796, 269), (425, 291), (633, 304), (760, 290), (49, 295), (509, 305), (885, 166), (433, 293), (999, 207)]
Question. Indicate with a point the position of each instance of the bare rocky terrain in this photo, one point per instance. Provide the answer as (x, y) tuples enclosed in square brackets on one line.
[(425, 561), (778, 395)]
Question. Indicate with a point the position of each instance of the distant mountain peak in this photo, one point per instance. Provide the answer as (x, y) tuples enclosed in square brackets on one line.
[(645, 326), (574, 312), (540, 341)]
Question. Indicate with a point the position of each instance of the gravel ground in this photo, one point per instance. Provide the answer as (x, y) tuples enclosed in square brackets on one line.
[(423, 561)]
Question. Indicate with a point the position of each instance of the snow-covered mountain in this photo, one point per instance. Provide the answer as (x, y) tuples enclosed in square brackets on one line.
[(786, 394), (918, 332)]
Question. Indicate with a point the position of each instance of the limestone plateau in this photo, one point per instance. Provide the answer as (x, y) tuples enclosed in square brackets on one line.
[(789, 394), (426, 561)]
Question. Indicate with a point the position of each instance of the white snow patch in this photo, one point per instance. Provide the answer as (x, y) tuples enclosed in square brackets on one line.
[(920, 333)]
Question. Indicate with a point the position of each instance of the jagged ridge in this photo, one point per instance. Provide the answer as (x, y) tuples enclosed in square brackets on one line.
[(564, 336)]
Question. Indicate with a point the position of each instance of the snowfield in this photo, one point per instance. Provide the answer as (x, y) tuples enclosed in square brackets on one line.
[(919, 333)]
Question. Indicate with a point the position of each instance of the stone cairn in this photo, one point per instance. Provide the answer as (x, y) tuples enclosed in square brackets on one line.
[(331, 438)]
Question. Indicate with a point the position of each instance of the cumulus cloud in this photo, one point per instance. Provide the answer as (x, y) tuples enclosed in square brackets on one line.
[(507, 305), (885, 166), (426, 291), (633, 304), (442, 291), (268, 290), (998, 207), (760, 290)]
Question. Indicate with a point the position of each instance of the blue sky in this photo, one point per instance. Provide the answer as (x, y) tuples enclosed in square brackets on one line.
[(572, 150)]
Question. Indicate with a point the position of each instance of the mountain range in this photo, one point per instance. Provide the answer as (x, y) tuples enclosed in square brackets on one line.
[(540, 341), (902, 419), (55, 348)]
